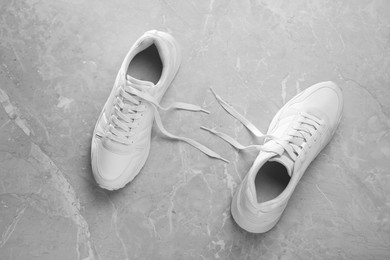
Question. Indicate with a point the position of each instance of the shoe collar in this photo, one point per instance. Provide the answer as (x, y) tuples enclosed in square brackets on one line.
[(143, 43), (276, 156)]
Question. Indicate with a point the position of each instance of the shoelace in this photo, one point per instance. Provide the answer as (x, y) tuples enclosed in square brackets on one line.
[(293, 144), (129, 108)]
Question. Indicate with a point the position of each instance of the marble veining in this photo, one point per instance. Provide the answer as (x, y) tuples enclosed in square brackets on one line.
[(58, 61)]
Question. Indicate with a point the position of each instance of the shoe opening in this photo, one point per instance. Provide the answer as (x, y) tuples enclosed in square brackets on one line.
[(270, 181), (146, 65)]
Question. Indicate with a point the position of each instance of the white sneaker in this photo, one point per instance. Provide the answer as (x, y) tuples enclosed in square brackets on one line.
[(298, 132), (121, 138)]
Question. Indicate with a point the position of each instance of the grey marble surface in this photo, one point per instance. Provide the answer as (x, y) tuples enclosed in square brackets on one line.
[(58, 61)]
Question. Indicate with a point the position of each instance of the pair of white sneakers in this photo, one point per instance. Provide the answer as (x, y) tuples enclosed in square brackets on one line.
[(298, 132)]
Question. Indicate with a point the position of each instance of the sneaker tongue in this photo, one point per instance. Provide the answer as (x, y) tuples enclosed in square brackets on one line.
[(297, 140), (285, 160), (141, 85)]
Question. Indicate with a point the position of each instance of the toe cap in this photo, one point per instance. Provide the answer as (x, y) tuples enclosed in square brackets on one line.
[(110, 166), (112, 170), (324, 100)]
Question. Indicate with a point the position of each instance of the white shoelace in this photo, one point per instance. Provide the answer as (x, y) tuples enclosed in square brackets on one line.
[(129, 108), (306, 127)]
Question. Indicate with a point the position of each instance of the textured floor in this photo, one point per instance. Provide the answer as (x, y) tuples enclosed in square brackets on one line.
[(58, 61)]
